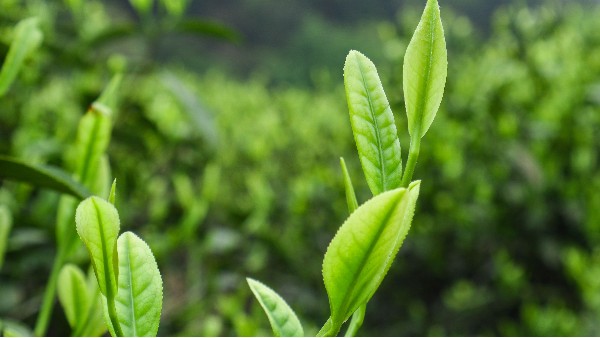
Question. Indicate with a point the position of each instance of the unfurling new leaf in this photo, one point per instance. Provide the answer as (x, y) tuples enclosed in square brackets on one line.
[(425, 70), (73, 294), (372, 124), (361, 252), (284, 321)]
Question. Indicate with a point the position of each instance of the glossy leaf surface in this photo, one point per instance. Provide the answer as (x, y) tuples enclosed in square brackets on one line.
[(41, 176), (284, 321), (358, 257), (372, 124), (28, 37), (98, 226), (73, 294), (139, 297), (425, 70)]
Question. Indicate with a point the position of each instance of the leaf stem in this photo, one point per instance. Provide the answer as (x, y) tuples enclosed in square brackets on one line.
[(356, 321), (112, 314), (413, 155), (328, 330), (41, 324)]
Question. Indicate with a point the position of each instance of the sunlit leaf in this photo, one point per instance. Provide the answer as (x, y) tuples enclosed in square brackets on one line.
[(361, 252), (425, 70), (372, 124), (73, 294), (139, 298), (98, 226), (284, 321), (28, 37)]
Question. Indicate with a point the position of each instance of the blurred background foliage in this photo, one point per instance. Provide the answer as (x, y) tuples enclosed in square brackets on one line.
[(226, 142)]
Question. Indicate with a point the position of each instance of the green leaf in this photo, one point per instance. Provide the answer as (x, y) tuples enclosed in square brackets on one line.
[(175, 8), (98, 226), (361, 252), (373, 124), (139, 298), (112, 196), (73, 294), (425, 70), (283, 319), (92, 324), (27, 38), (42, 176), (5, 226), (349, 188)]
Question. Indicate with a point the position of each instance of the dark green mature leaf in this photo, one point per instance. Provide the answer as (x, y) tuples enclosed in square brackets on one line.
[(208, 28), (425, 70), (361, 252), (5, 226), (140, 294), (372, 124), (27, 38), (42, 176), (284, 321), (98, 226), (73, 294)]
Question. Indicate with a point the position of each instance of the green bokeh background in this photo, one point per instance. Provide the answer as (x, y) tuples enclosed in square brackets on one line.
[(226, 147)]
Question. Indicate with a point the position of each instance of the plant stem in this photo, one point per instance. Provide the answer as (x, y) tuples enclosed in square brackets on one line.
[(41, 324), (328, 330), (413, 155), (112, 314), (357, 320)]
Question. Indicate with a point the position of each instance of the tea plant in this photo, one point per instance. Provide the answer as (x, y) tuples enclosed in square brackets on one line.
[(364, 247)]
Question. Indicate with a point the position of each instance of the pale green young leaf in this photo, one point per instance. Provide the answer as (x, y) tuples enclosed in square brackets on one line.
[(72, 294), (14, 329), (356, 260), (425, 70), (5, 226), (92, 323), (112, 196), (349, 188), (28, 37), (93, 136), (98, 226), (140, 294), (372, 124), (284, 321)]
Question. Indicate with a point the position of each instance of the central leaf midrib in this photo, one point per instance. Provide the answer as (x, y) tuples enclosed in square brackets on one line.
[(369, 250), (377, 131), (130, 275), (107, 272)]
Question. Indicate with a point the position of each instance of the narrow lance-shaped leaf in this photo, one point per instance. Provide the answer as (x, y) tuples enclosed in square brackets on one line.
[(140, 294), (372, 124), (357, 258), (42, 176), (27, 38), (425, 70), (284, 321), (348, 188), (72, 294), (5, 226), (112, 196), (98, 226)]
